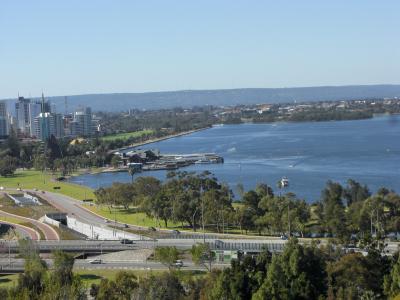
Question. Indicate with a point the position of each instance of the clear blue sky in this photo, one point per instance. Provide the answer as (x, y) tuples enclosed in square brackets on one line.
[(74, 47)]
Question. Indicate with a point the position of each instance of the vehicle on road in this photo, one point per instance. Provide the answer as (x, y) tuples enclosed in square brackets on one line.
[(96, 261), (178, 263), (1, 187), (284, 237), (106, 221), (151, 228), (126, 241), (126, 226), (176, 231)]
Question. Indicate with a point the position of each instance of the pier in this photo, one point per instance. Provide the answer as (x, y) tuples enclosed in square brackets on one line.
[(150, 160)]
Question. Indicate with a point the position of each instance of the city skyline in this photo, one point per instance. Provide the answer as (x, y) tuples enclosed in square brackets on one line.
[(97, 47)]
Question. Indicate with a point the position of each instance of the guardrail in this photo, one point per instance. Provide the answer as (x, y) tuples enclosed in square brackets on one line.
[(189, 236), (247, 247)]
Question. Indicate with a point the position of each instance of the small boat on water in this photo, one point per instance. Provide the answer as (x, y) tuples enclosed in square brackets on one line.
[(284, 182)]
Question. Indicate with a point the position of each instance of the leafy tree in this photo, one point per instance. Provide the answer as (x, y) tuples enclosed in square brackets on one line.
[(333, 209), (165, 286), (8, 165), (31, 283), (124, 287), (63, 264), (241, 280), (355, 192), (115, 161), (354, 276), (202, 255), (392, 280), (299, 273), (166, 255)]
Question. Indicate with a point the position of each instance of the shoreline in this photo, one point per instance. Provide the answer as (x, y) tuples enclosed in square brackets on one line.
[(111, 170), (163, 138)]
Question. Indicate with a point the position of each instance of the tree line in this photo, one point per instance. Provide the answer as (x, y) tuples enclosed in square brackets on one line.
[(197, 199), (299, 272)]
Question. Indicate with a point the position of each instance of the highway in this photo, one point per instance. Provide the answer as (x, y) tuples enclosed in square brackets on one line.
[(18, 265)]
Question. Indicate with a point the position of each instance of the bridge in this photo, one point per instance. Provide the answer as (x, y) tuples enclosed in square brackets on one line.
[(97, 247)]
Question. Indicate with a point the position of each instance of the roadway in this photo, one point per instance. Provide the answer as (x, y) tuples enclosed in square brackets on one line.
[(49, 232), (17, 265), (24, 230)]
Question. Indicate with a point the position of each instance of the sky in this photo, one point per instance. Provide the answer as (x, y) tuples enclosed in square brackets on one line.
[(80, 47)]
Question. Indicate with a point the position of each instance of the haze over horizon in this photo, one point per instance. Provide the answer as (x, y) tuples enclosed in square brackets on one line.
[(97, 47)]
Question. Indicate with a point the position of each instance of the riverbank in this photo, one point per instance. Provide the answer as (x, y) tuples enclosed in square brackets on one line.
[(155, 140)]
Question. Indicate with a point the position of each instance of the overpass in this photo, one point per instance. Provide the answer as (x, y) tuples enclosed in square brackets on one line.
[(97, 247)]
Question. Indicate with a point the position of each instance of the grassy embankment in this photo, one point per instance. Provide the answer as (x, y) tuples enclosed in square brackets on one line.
[(126, 135), (129, 217), (30, 179)]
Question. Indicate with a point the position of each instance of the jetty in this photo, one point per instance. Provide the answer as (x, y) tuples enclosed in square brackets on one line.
[(150, 160)]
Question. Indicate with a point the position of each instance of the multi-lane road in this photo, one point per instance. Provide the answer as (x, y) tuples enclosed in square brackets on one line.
[(17, 265)]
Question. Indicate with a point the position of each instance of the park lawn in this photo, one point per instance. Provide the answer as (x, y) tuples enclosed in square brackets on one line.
[(8, 281), (129, 217), (127, 135), (30, 179)]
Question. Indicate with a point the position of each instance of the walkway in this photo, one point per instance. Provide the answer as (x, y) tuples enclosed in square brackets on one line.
[(49, 232), (25, 230)]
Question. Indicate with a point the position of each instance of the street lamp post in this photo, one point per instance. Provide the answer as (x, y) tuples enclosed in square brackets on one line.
[(194, 225)]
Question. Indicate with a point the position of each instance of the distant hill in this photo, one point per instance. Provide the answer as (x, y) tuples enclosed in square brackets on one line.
[(190, 98)]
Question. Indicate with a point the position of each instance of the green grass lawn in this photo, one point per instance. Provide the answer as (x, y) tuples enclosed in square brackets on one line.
[(8, 281), (126, 135), (29, 179), (129, 216)]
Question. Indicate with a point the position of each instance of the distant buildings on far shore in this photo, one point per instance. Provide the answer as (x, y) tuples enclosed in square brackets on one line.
[(39, 120)]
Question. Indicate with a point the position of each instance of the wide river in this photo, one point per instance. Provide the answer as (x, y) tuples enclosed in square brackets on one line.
[(309, 154)]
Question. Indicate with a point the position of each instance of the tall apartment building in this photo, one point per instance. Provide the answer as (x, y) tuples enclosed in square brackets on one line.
[(82, 122), (44, 126), (4, 126)]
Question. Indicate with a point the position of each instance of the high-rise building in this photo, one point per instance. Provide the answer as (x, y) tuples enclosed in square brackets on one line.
[(22, 115), (59, 125), (4, 126), (45, 123), (44, 126), (35, 108), (82, 122)]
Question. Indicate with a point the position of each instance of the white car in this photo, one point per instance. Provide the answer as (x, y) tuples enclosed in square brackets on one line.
[(1, 187), (96, 261), (178, 263)]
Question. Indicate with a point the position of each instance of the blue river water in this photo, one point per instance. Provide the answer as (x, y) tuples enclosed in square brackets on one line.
[(309, 154)]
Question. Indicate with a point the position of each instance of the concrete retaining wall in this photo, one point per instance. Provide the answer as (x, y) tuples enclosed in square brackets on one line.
[(50, 221), (98, 233)]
